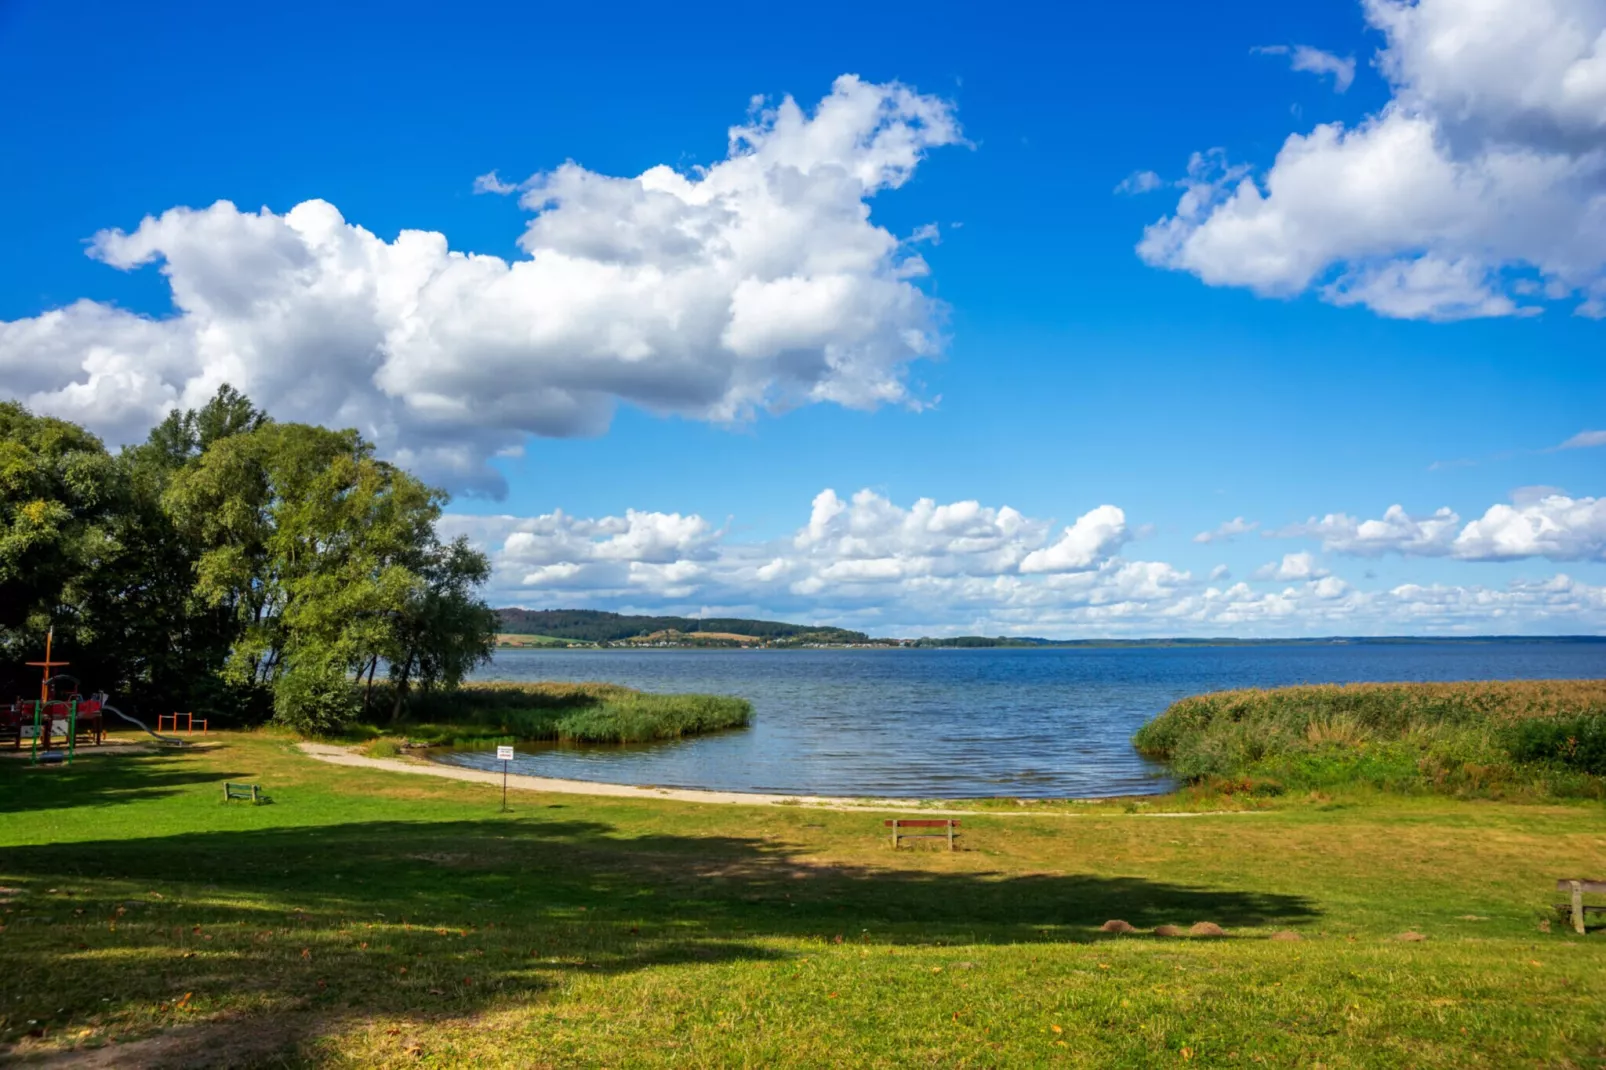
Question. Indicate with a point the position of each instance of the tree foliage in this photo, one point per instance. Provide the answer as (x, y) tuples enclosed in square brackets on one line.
[(234, 563)]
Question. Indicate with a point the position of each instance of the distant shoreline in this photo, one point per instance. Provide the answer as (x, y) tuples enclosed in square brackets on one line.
[(513, 642)]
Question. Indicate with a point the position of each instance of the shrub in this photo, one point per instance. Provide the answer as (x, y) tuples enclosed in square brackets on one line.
[(315, 700), (1575, 743)]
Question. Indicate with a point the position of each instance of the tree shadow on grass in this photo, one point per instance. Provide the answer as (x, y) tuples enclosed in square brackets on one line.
[(312, 924), (96, 778)]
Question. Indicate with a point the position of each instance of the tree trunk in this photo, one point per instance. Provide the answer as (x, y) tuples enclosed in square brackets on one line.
[(401, 693), (368, 692)]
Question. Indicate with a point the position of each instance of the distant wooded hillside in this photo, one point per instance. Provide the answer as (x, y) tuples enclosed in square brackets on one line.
[(594, 626)]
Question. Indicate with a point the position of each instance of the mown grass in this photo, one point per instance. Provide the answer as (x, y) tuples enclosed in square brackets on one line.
[(483, 713), (372, 919), (1533, 737)]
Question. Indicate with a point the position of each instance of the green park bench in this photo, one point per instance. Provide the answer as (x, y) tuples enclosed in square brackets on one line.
[(1578, 908), (246, 792), (949, 825)]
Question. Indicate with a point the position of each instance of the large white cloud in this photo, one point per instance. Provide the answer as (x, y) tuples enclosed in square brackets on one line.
[(1544, 523), (1300, 566), (928, 568), (756, 283), (1479, 189)]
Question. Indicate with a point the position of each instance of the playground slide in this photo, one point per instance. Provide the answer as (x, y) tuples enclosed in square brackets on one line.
[(168, 741)]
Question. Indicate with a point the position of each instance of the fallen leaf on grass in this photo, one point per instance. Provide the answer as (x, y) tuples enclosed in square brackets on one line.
[(1057, 1029)]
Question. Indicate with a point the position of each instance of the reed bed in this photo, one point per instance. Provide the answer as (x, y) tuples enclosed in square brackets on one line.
[(482, 713), (1545, 736)]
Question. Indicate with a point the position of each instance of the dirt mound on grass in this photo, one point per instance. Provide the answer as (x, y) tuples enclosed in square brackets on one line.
[(1167, 930), (1287, 936), (1207, 928), (1116, 925), (1410, 937)]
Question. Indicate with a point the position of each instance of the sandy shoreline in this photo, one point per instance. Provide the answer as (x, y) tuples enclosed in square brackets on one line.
[(324, 752)]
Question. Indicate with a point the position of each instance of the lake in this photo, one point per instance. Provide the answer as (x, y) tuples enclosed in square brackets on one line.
[(964, 723)]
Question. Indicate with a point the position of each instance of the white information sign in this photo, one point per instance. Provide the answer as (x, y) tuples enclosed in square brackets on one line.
[(504, 754)]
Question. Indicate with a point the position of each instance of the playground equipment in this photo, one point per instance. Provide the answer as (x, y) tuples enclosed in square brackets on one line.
[(189, 722), (166, 741), (50, 718)]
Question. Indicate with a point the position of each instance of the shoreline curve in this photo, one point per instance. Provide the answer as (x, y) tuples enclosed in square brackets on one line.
[(325, 752)]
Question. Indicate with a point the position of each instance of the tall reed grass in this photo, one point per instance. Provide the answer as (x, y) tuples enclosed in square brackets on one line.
[(1546, 735), (581, 713)]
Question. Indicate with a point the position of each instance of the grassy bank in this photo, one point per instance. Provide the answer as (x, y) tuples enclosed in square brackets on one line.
[(1542, 737), (373, 919), (580, 713)]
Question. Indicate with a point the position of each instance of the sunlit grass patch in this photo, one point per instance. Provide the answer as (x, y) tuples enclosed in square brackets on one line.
[(373, 919)]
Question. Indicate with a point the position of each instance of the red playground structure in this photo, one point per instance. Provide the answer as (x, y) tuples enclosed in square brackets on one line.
[(64, 716)]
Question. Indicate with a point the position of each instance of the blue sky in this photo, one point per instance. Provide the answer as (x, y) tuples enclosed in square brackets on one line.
[(1386, 316)]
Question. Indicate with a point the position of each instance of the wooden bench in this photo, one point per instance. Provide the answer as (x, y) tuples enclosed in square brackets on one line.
[(1577, 907), (251, 792), (898, 824)]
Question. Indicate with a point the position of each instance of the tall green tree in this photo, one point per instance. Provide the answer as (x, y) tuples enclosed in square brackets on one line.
[(232, 564), (59, 492), (139, 606), (312, 545), (445, 630)]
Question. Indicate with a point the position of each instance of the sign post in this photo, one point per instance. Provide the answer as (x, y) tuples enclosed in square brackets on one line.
[(504, 755)]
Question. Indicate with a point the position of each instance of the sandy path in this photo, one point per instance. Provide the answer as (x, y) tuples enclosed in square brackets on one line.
[(324, 752)]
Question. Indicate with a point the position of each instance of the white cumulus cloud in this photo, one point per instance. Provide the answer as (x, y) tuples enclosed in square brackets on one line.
[(1140, 182), (1555, 526), (753, 284), (1540, 522), (1300, 566), (1315, 61), (1227, 531), (1397, 532), (939, 569), (1479, 189), (1093, 537)]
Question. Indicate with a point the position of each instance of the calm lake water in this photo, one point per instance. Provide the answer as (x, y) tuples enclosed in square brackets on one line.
[(964, 723)]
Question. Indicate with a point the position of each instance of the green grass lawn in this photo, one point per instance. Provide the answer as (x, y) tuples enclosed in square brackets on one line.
[(373, 919)]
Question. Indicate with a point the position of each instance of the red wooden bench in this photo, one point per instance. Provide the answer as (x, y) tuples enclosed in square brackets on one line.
[(1578, 907), (898, 824)]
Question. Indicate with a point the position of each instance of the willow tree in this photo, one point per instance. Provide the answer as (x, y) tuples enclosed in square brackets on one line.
[(317, 550)]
